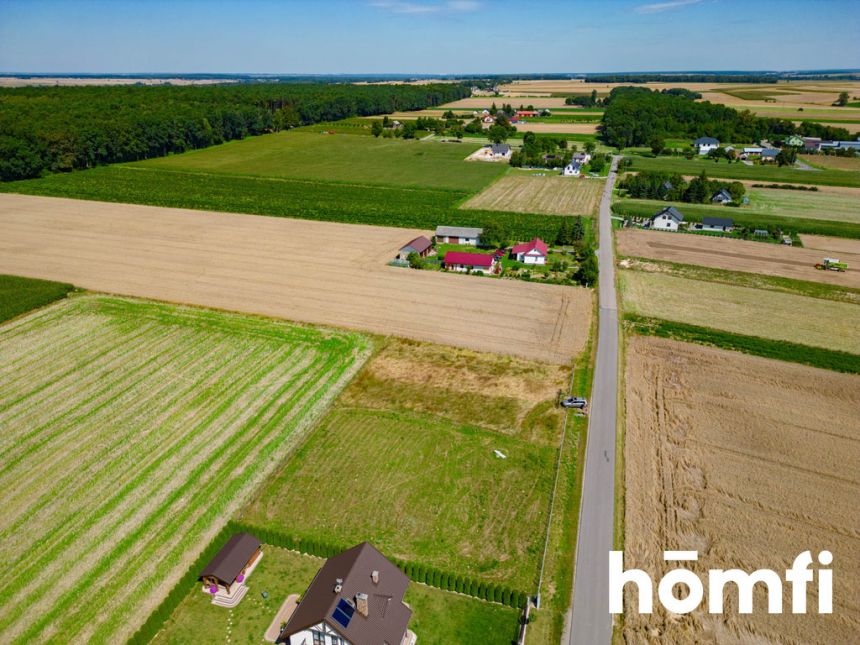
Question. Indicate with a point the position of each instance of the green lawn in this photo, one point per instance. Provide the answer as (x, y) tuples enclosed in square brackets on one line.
[(132, 431), (419, 488), (19, 295), (765, 174), (438, 617), (340, 158)]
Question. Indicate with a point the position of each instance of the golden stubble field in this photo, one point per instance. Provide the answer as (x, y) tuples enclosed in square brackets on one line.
[(750, 462), (554, 195), (315, 272), (737, 255)]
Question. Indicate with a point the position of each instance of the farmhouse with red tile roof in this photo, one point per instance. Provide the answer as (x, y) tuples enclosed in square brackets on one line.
[(533, 252), (460, 261)]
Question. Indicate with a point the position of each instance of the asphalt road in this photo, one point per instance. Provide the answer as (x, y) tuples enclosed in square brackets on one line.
[(590, 622)]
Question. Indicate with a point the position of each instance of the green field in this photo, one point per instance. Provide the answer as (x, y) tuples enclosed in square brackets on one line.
[(340, 158), (760, 214), (20, 295), (131, 432), (438, 617), (765, 174), (307, 176), (743, 310), (419, 489)]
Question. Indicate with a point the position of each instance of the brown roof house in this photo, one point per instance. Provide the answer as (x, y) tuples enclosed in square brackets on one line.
[(225, 575), (356, 598), (420, 245)]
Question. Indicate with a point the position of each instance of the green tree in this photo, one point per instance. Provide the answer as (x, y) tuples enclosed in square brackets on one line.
[(657, 144), (842, 100), (586, 274), (590, 147), (786, 157), (376, 128), (415, 261), (497, 133), (495, 234)]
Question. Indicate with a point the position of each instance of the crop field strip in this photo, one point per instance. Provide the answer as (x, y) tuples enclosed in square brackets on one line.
[(549, 195), (131, 402), (736, 255), (261, 265), (699, 421), (19, 295), (743, 310)]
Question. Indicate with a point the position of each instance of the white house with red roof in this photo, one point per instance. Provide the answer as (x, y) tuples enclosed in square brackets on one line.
[(533, 252), (462, 261)]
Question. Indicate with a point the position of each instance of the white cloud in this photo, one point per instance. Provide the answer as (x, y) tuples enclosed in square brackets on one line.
[(669, 5), (451, 6)]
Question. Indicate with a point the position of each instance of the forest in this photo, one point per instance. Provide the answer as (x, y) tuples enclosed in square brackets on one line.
[(635, 116), (59, 129), (673, 187)]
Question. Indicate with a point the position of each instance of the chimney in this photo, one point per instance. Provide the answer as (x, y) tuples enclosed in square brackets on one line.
[(375, 576), (361, 604), (338, 585)]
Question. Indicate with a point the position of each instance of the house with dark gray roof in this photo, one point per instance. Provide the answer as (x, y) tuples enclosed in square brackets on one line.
[(704, 145), (722, 196), (769, 154), (668, 219), (356, 598), (500, 150), (717, 224)]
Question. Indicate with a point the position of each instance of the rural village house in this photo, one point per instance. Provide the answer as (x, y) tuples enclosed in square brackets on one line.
[(458, 235), (225, 575), (704, 145), (533, 252), (769, 154), (462, 261), (581, 157), (573, 169), (501, 150), (420, 245), (356, 598), (722, 196), (526, 113), (717, 224), (668, 219)]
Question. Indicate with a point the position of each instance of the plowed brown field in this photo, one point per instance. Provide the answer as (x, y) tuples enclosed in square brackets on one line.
[(738, 255), (315, 272), (750, 462)]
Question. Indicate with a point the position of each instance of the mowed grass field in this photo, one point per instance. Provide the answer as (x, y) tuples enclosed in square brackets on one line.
[(553, 195), (340, 158), (438, 617), (131, 432), (766, 174), (19, 295), (823, 204), (832, 161), (743, 310)]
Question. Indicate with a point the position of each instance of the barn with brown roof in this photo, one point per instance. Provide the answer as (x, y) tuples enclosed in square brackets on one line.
[(356, 598)]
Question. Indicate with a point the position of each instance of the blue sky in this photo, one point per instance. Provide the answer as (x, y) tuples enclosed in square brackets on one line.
[(426, 36)]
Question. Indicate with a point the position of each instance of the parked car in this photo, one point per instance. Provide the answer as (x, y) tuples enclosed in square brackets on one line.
[(574, 402)]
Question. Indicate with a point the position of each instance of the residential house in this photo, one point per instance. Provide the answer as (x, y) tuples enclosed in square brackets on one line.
[(704, 145), (722, 196), (489, 119), (668, 219), (573, 169), (460, 261), (811, 144), (794, 141), (750, 151), (356, 598), (526, 113), (420, 245), (769, 154), (717, 224), (501, 150), (533, 252), (458, 235), (581, 157), (225, 575)]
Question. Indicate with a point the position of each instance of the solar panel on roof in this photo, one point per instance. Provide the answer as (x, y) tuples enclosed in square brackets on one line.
[(346, 608), (343, 613)]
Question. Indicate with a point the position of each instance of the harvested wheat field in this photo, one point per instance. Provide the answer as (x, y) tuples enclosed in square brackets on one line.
[(737, 255), (750, 462), (558, 128), (131, 432), (315, 272), (553, 195), (743, 310), (831, 244), (484, 102)]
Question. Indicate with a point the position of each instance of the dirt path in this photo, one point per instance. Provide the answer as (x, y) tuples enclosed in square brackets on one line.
[(315, 272)]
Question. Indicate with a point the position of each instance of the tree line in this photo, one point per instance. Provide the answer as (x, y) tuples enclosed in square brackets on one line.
[(673, 187), (58, 129), (635, 116), (681, 78)]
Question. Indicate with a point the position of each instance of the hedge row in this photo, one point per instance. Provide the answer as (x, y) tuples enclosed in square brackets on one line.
[(414, 571)]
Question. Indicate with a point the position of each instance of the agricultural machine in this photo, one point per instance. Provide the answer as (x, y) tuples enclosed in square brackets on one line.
[(831, 264)]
